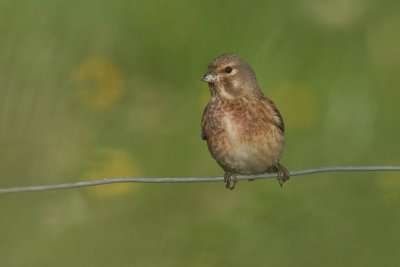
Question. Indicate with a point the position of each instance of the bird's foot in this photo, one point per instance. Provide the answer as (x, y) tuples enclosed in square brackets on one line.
[(283, 174), (230, 179)]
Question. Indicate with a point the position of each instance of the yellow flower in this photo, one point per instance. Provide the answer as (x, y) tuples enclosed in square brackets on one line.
[(113, 163), (99, 83)]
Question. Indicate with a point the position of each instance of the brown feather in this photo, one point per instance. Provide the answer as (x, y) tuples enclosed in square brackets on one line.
[(277, 115)]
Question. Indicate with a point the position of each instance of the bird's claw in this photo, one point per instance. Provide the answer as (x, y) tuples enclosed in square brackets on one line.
[(283, 174), (230, 179)]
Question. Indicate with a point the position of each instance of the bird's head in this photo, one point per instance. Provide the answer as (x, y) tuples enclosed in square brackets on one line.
[(231, 77)]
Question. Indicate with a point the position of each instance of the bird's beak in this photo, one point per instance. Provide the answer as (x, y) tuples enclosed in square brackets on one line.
[(209, 77)]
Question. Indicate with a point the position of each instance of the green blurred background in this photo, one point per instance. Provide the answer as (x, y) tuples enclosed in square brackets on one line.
[(95, 89)]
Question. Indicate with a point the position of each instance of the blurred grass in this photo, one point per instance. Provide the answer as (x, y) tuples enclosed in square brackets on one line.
[(98, 88)]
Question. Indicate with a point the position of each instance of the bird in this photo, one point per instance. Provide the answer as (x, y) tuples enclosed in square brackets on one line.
[(243, 128)]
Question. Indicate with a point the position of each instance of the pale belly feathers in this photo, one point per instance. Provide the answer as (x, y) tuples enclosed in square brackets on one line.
[(244, 145)]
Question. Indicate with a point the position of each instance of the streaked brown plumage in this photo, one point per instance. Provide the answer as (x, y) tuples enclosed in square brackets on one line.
[(243, 128)]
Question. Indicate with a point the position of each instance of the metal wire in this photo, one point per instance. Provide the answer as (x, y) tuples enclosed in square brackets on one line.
[(191, 179)]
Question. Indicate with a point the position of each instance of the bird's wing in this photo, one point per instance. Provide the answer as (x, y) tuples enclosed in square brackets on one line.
[(204, 124), (275, 112)]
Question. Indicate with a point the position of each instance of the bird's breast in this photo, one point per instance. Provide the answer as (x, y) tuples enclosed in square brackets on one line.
[(241, 139)]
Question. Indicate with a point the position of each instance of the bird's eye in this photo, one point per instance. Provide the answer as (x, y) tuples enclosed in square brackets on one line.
[(228, 69)]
